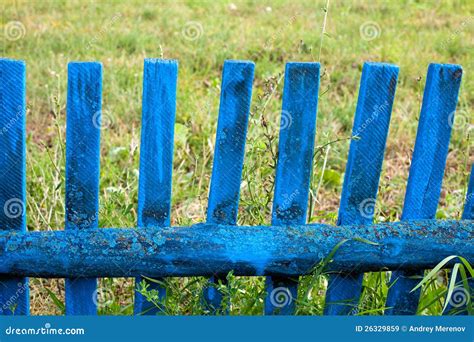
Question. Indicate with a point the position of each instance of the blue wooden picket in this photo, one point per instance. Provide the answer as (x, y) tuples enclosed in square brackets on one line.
[(458, 302), (293, 170), (359, 192), (14, 291), (468, 212), (426, 172), (224, 190), (282, 251), (156, 157), (84, 105)]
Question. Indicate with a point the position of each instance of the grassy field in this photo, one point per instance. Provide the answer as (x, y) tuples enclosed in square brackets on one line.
[(201, 35)]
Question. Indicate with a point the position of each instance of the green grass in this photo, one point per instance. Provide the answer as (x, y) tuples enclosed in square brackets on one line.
[(410, 34)]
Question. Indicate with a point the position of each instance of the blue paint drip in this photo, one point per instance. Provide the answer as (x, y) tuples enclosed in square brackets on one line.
[(84, 106), (295, 159), (359, 193), (14, 292), (224, 192), (426, 171), (156, 157)]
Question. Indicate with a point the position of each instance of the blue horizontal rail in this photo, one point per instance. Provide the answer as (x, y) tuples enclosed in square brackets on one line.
[(207, 249)]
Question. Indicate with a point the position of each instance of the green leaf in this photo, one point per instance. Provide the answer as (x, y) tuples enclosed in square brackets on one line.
[(452, 285), (359, 239), (467, 264), (329, 257), (56, 301), (180, 134), (156, 281), (467, 286), (435, 270), (332, 178), (118, 153)]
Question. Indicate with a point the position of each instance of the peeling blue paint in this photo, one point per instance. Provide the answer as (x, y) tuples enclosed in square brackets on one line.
[(13, 172), (426, 171), (283, 251), (295, 158), (206, 249), (84, 116), (364, 165), (224, 190), (160, 78)]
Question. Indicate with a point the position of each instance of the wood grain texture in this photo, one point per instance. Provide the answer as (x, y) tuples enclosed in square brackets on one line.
[(14, 291), (364, 165), (224, 191), (207, 249), (156, 157), (84, 105), (426, 171), (293, 170)]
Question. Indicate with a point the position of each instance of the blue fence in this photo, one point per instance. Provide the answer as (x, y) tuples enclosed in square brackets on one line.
[(282, 251)]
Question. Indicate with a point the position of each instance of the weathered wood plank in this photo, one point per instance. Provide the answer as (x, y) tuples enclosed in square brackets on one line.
[(293, 170), (207, 249), (371, 122), (14, 291), (224, 191), (84, 104), (156, 157), (426, 171)]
